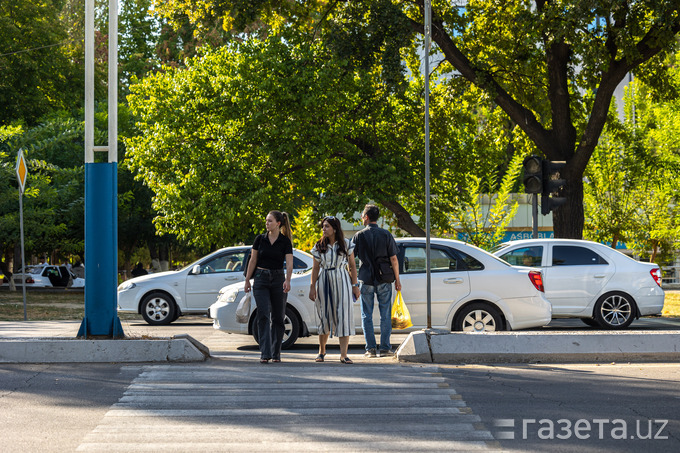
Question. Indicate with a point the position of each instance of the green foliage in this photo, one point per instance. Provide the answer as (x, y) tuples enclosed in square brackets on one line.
[(136, 46), (53, 200), (258, 126), (552, 67), (484, 226), (37, 74), (306, 229), (631, 194)]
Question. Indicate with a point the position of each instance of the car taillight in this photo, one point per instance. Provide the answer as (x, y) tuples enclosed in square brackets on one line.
[(30, 280), (537, 279), (656, 275)]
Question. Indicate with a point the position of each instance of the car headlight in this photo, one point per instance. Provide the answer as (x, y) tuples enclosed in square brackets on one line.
[(229, 296), (125, 286)]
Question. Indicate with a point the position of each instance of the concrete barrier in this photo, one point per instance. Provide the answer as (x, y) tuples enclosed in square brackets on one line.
[(540, 347), (181, 348)]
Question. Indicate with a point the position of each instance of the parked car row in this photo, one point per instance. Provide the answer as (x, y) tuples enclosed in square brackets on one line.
[(523, 284), (164, 296)]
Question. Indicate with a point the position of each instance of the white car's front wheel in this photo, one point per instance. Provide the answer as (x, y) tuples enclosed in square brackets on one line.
[(158, 309), (478, 317)]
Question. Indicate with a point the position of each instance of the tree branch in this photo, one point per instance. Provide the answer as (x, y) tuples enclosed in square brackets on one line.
[(404, 220), (522, 116)]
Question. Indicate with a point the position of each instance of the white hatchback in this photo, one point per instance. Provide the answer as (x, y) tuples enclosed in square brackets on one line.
[(472, 290), (593, 282), (163, 297)]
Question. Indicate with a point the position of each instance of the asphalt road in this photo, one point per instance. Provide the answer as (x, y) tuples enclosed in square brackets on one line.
[(606, 407), (331, 407)]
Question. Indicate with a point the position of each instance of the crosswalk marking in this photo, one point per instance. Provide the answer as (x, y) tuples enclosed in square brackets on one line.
[(223, 407)]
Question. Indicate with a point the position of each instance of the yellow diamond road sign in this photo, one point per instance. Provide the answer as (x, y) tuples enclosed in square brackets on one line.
[(22, 170)]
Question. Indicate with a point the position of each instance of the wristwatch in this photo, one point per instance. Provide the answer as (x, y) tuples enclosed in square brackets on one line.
[(355, 284)]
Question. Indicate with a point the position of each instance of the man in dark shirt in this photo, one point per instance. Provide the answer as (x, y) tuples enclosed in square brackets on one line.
[(371, 243)]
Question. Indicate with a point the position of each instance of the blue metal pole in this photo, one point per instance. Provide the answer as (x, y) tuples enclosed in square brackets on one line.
[(101, 256)]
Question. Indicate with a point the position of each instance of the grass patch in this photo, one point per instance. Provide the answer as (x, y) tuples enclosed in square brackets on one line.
[(15, 312), (43, 297), (48, 305), (671, 306)]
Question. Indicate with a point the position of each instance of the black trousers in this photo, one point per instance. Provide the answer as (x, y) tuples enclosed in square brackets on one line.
[(271, 309)]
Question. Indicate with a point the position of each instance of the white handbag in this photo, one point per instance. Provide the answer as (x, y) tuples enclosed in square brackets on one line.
[(243, 309)]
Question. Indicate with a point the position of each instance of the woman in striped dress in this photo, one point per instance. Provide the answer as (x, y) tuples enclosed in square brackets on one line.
[(334, 287)]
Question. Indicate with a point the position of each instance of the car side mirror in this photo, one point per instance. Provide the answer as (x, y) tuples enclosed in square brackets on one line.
[(196, 270)]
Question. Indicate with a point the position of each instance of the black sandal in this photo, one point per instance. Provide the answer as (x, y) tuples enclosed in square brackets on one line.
[(264, 360), (346, 361), (320, 357), (276, 360)]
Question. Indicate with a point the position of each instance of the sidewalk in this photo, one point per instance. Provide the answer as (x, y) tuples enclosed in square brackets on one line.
[(38, 329), (56, 342)]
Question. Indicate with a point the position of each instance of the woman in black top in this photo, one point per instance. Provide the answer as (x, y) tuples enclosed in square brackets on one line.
[(270, 285)]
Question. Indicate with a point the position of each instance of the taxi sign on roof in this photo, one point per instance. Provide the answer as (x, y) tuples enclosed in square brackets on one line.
[(22, 170)]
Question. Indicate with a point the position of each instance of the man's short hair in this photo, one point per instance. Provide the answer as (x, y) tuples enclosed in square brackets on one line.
[(372, 212)]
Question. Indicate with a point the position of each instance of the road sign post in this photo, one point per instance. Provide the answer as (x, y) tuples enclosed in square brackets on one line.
[(22, 174)]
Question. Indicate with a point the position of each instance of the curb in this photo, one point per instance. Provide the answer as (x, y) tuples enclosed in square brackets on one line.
[(180, 348), (540, 347)]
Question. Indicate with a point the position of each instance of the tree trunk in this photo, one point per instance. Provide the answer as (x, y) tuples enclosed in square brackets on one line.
[(568, 219), (404, 220), (615, 241), (164, 256), (655, 250)]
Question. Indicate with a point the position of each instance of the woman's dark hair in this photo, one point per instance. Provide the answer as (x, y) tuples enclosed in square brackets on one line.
[(322, 244), (282, 218)]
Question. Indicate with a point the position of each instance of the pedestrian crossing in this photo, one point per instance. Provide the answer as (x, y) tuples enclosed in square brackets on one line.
[(289, 407)]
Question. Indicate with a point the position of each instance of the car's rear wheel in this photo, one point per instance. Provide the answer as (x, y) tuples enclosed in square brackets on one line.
[(615, 310), (590, 322), (478, 317), (291, 328), (158, 309)]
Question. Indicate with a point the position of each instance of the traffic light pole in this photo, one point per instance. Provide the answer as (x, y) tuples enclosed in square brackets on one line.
[(534, 216)]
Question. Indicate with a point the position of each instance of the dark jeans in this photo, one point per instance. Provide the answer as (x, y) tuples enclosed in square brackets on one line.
[(384, 293), (271, 308)]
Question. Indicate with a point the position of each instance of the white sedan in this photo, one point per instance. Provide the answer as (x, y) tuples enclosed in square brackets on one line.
[(164, 296), (590, 281), (471, 291)]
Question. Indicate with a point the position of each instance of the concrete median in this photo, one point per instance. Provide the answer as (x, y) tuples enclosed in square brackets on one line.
[(180, 348), (540, 347)]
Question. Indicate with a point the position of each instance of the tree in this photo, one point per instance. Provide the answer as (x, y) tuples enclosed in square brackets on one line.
[(256, 126), (552, 66), (37, 73)]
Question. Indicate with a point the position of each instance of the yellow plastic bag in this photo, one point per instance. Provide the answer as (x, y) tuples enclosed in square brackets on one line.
[(401, 318)]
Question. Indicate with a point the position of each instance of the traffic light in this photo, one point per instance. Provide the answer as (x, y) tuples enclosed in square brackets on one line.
[(551, 184), (533, 174)]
